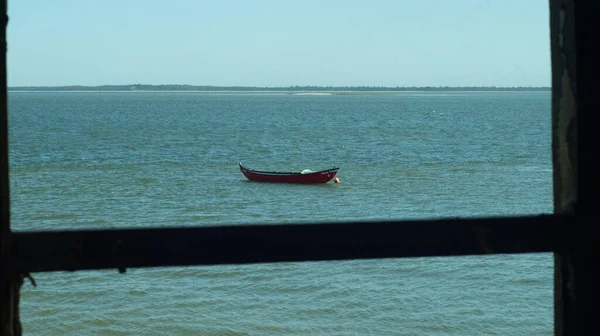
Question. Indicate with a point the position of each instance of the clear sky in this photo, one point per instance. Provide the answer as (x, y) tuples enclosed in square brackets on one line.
[(279, 43)]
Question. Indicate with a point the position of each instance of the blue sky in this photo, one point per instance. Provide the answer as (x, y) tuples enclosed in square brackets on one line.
[(279, 43)]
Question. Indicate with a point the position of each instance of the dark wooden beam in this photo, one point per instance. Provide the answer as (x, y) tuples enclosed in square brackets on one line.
[(121, 249), (10, 282), (573, 27)]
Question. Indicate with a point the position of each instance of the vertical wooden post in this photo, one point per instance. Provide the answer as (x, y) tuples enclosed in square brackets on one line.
[(576, 288), (10, 283)]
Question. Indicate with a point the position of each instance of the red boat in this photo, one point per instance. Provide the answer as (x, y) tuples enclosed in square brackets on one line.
[(305, 176)]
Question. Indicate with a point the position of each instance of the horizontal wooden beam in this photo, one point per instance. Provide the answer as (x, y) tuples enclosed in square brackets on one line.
[(243, 244)]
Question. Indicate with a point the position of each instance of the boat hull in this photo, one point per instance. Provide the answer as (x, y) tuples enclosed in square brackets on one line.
[(322, 176)]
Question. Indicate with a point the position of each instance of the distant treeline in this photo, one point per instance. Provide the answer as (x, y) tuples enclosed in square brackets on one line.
[(144, 87)]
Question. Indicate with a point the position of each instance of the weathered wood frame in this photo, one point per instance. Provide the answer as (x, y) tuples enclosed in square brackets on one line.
[(568, 232)]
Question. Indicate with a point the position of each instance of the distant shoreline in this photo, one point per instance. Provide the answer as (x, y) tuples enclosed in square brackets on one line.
[(290, 89), (289, 93)]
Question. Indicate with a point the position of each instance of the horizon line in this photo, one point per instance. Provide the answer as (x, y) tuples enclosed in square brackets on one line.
[(292, 87)]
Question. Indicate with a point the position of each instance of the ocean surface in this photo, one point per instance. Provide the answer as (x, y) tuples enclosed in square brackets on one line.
[(81, 160)]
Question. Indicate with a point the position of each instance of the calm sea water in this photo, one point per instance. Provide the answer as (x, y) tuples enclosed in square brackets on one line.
[(106, 160)]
